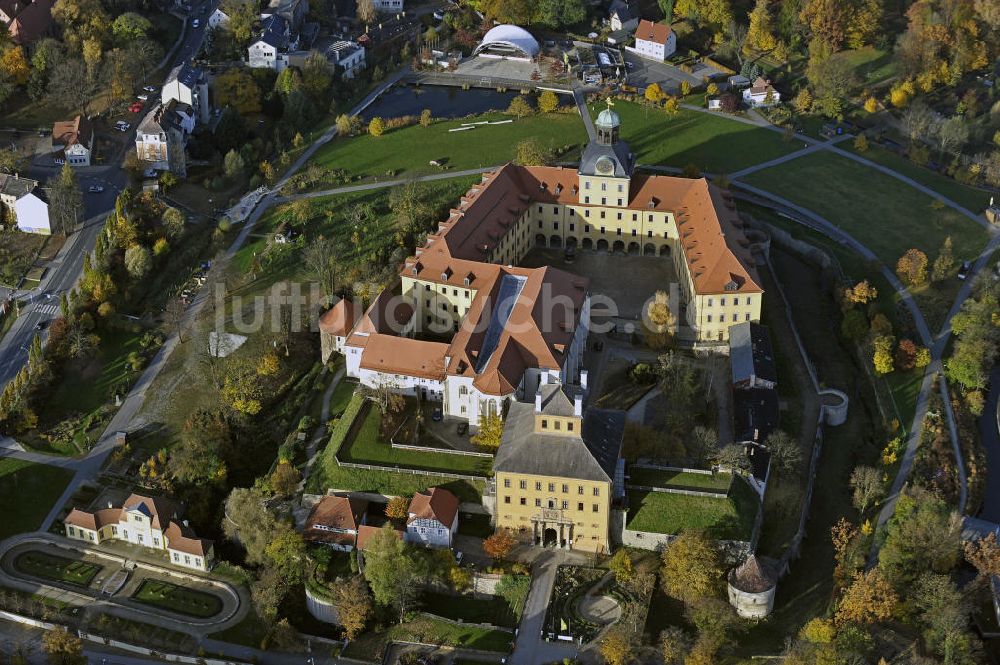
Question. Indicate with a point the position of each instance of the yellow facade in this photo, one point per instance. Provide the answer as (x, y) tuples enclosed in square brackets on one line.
[(601, 221), (554, 510)]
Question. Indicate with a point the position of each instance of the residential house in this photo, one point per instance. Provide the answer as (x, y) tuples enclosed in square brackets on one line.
[(153, 522), (76, 137), (432, 519), (348, 56), (24, 201), (655, 41), (555, 470), (334, 521), (187, 84), (750, 356), (26, 22), (761, 93), (270, 49), (621, 17), (292, 11), (218, 19), (161, 137), (389, 6)]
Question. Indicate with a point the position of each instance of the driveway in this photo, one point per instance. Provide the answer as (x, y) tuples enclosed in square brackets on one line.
[(530, 648)]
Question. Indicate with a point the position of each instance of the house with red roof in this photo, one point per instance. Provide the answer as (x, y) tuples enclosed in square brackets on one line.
[(432, 519), (656, 41), (153, 522)]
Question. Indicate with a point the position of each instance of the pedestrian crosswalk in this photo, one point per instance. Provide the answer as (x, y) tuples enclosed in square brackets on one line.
[(47, 309)]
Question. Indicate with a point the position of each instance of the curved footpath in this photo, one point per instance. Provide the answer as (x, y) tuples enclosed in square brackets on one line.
[(235, 601)]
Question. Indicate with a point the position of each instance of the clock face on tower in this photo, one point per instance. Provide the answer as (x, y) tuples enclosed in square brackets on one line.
[(605, 166)]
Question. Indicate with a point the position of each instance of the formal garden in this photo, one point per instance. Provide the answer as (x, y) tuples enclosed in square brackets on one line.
[(585, 601), (178, 599), (57, 568)]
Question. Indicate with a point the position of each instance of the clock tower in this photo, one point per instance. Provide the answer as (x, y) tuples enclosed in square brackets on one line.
[(607, 164)]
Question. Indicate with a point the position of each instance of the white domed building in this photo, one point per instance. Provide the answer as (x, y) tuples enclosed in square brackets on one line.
[(752, 585), (509, 42)]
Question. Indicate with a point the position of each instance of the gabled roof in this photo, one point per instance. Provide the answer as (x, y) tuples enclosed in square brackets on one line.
[(653, 32), (591, 456), (93, 521), (436, 504), (334, 514), (340, 319), (403, 355), (31, 22), (15, 186), (72, 132), (158, 509), (366, 531), (556, 400), (622, 10), (750, 353), (186, 74), (274, 32)]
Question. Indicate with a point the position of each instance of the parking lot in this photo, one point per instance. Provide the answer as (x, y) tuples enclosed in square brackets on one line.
[(643, 72)]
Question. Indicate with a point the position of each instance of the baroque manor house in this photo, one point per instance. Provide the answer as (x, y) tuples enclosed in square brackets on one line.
[(469, 329), (465, 327)]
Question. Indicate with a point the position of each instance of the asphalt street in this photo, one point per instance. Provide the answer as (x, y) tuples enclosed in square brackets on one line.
[(42, 304)]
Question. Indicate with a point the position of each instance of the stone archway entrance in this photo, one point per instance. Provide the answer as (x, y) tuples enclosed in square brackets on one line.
[(550, 538), (602, 245), (540, 240)]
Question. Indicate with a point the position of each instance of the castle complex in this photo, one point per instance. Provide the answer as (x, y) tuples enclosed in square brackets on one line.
[(468, 328)]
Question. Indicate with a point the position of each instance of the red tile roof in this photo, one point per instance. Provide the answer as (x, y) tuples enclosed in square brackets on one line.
[(335, 512), (653, 32), (340, 319), (435, 503)]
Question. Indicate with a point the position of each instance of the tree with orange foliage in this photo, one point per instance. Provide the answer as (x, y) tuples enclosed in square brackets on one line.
[(499, 545), (397, 508)]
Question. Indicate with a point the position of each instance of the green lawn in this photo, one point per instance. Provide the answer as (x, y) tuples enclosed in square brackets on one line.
[(714, 143), (870, 64), (371, 646), (975, 200), (368, 447), (679, 479), (408, 151), (729, 518), (27, 493), (490, 609), (89, 382), (886, 215), (58, 568), (341, 396), (371, 244), (178, 599)]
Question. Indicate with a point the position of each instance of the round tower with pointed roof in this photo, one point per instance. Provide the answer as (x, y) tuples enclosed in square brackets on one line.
[(752, 585)]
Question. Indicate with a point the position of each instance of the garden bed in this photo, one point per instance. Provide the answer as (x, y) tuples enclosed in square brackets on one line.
[(178, 599), (57, 568)]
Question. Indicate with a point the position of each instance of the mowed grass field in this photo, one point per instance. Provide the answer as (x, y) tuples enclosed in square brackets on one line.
[(714, 143), (886, 215), (975, 200), (725, 518), (408, 151), (27, 493)]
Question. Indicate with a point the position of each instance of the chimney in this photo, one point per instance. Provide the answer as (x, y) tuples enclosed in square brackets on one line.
[(578, 405), (583, 378), (538, 402), (109, 505)]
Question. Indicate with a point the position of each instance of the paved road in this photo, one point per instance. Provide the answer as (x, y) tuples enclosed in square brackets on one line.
[(383, 184), (989, 434), (529, 648), (65, 270)]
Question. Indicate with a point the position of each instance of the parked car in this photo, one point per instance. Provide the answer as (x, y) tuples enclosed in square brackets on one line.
[(149, 88), (58, 161), (195, 23), (41, 325), (963, 272), (136, 107), (143, 97), (463, 429), (95, 189), (122, 126), (437, 416)]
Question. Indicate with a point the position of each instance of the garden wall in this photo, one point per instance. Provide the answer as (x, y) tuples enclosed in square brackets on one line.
[(676, 490), (321, 608)]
